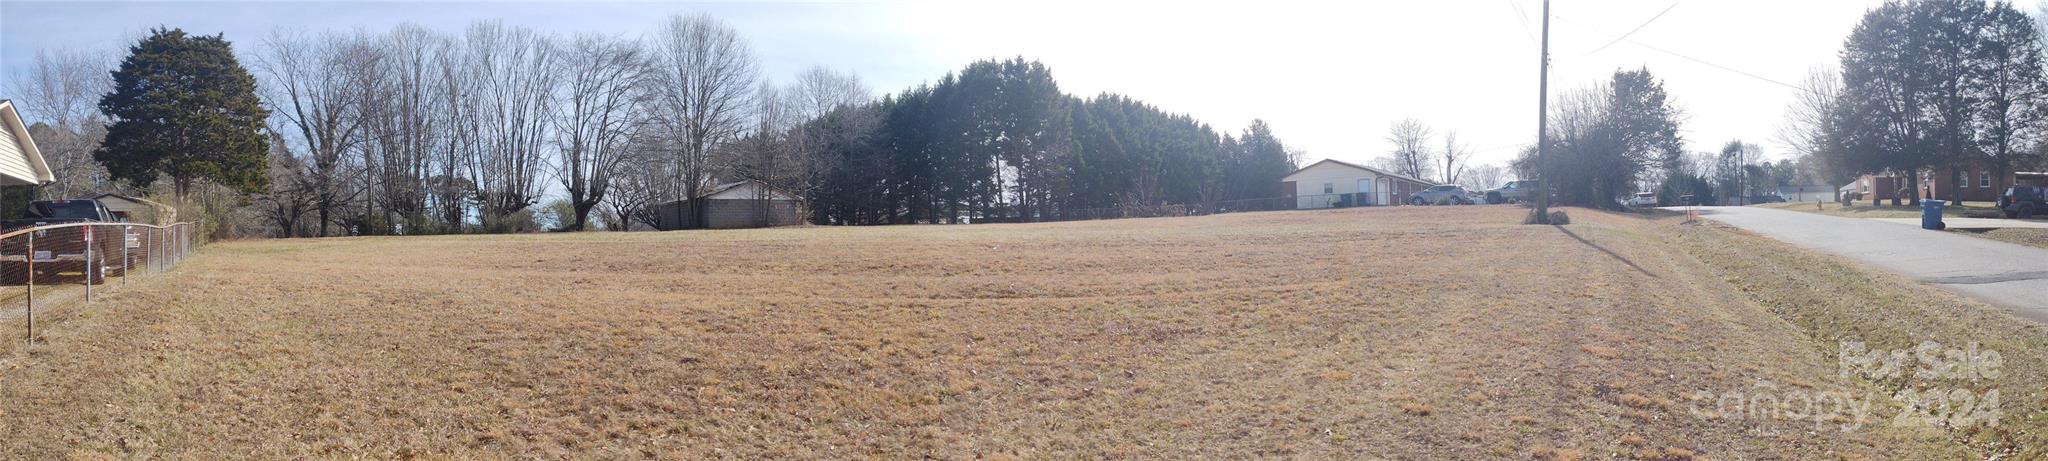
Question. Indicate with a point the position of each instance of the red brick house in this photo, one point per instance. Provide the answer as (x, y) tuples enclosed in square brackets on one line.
[(1882, 186), (1962, 184), (1948, 183)]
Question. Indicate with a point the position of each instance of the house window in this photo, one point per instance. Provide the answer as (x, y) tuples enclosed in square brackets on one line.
[(1983, 179), (1962, 178), (1329, 188)]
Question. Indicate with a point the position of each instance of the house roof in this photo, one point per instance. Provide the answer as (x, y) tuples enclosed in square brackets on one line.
[(131, 198), (11, 120), (1361, 167)]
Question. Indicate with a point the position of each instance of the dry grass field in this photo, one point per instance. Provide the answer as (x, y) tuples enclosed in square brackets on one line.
[(1389, 333)]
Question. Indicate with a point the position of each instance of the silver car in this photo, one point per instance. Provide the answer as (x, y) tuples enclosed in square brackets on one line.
[(1642, 200), (1513, 192), (1447, 194)]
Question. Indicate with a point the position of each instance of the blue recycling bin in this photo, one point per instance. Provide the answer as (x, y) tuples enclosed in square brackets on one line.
[(1930, 214)]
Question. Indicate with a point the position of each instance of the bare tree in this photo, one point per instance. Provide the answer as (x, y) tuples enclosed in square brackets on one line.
[(450, 190), (408, 121), (703, 77), (1485, 176), (1807, 129), (1295, 156), (602, 78), (1454, 156), (817, 91), (769, 156), (289, 199), (1411, 154), (513, 83), (317, 86), (59, 93), (645, 182)]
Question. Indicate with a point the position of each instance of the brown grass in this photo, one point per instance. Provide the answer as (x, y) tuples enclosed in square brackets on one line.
[(2033, 237), (1418, 333)]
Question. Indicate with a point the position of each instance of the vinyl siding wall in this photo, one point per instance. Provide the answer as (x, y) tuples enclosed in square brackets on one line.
[(13, 164)]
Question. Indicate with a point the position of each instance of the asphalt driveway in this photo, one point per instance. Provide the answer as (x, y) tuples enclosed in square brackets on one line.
[(1999, 273)]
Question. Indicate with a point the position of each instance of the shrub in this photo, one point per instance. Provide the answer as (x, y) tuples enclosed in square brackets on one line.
[(1557, 218)]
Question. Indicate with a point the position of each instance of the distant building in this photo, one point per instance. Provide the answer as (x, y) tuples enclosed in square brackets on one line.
[(1947, 183), (138, 210), (1332, 183), (1808, 193), (1874, 187), (735, 205), (1971, 184)]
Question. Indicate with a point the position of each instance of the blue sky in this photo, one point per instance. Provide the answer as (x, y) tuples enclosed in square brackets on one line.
[(1329, 76)]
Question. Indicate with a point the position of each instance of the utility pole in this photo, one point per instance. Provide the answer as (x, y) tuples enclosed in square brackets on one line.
[(1543, 124)]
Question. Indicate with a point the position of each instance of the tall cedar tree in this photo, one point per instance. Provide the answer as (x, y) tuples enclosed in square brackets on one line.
[(184, 108)]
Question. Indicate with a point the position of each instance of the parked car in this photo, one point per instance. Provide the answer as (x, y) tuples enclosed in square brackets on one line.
[(47, 212), (67, 256), (1513, 192), (2023, 201), (1642, 200), (1452, 194)]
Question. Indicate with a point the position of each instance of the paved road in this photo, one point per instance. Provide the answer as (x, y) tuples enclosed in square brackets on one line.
[(2004, 274)]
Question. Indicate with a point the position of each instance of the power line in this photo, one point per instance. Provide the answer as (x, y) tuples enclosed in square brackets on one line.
[(1689, 58), (1522, 17), (1633, 31)]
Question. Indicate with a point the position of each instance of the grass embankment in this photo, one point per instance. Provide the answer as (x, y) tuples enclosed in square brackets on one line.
[(1863, 210), (1411, 332), (2024, 236)]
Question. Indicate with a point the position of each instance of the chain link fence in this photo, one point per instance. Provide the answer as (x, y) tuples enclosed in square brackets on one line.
[(64, 264)]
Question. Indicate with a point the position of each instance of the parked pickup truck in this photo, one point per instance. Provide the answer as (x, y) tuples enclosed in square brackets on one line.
[(47, 212), (64, 249)]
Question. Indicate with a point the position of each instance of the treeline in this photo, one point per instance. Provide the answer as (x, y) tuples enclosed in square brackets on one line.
[(999, 140), (507, 129), (1928, 86)]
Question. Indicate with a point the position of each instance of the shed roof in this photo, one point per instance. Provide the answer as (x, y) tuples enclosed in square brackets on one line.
[(144, 201)]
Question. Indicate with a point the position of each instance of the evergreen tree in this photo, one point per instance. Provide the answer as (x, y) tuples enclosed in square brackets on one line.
[(183, 107), (1262, 162), (999, 140)]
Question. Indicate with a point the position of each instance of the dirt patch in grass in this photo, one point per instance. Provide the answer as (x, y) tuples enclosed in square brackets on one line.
[(1408, 332)]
